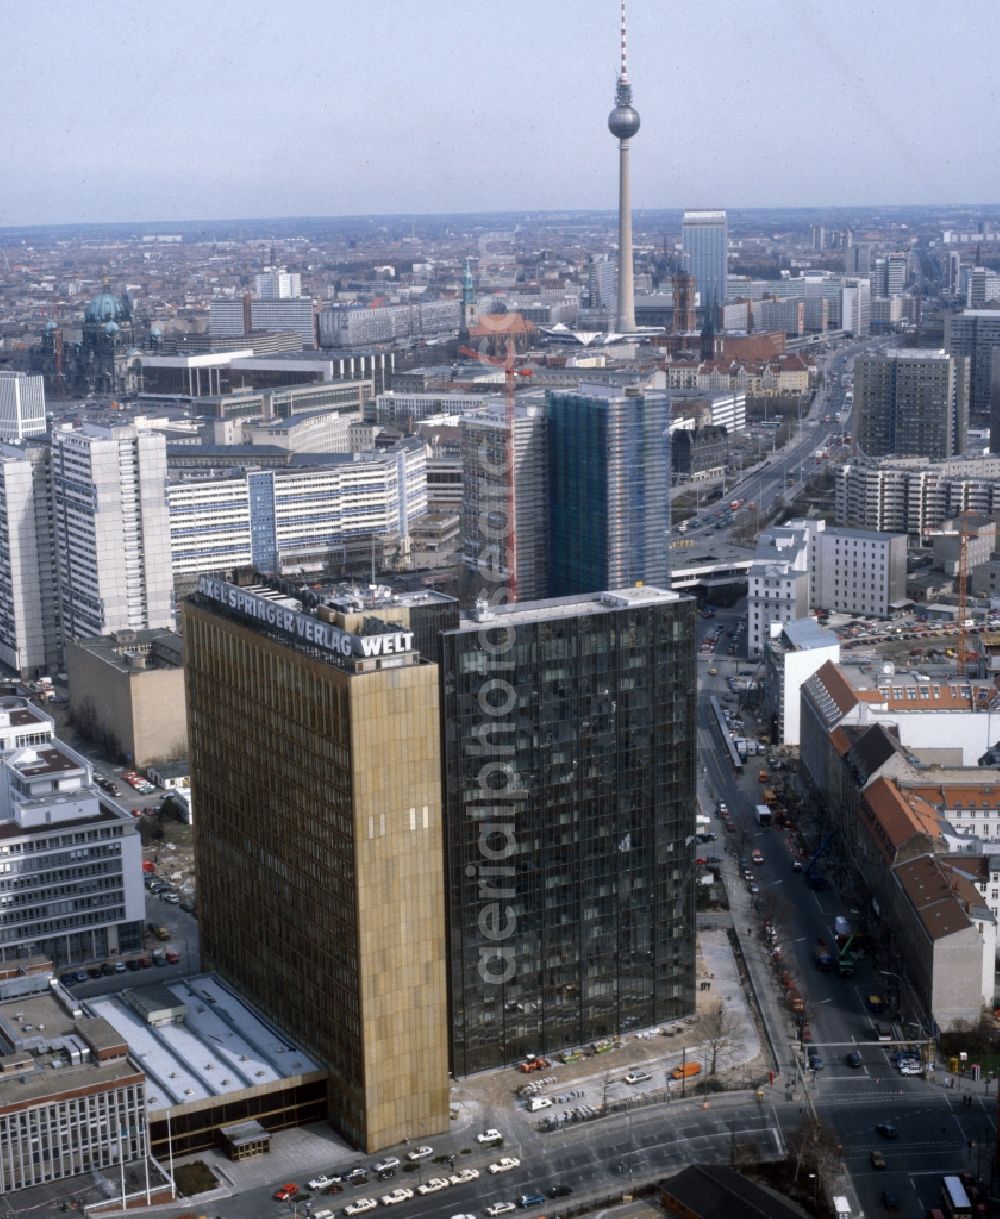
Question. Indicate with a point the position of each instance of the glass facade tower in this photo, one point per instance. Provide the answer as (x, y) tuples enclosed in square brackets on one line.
[(705, 240), (570, 804), (609, 490)]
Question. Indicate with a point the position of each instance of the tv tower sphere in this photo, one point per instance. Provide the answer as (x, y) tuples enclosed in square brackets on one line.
[(623, 121)]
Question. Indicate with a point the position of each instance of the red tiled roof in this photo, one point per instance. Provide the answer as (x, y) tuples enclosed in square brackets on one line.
[(929, 889)]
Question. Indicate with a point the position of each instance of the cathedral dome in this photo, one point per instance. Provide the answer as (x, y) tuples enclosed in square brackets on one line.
[(106, 308)]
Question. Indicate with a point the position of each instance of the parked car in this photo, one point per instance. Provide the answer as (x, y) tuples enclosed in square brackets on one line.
[(637, 1077), (527, 1200), (421, 1153), (490, 1136), (464, 1176), (887, 1130), (506, 1164), (285, 1192), (395, 1196), (361, 1206), (386, 1164), (877, 1159), (322, 1182), (433, 1186), (560, 1191), (500, 1208)]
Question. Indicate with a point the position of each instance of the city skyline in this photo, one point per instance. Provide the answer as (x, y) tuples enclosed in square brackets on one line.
[(411, 127)]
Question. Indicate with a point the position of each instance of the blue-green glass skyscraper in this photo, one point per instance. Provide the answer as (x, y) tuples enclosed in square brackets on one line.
[(609, 489)]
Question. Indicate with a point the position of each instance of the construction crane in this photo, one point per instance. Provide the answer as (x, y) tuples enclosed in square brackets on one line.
[(510, 375)]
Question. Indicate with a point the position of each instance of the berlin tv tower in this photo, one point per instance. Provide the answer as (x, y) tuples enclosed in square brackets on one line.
[(623, 123)]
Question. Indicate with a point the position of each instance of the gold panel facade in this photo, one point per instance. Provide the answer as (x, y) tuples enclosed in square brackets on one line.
[(320, 862)]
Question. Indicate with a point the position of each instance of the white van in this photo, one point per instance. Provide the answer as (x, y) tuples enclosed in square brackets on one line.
[(539, 1102)]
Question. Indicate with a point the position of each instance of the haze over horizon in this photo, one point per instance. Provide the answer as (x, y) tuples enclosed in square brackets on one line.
[(310, 109)]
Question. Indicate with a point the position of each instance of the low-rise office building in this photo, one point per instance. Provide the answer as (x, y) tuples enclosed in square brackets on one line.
[(127, 689), (791, 656), (857, 571), (70, 861), (211, 1061), (71, 1100), (778, 580)]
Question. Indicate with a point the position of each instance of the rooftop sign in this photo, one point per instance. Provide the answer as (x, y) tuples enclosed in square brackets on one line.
[(300, 627)]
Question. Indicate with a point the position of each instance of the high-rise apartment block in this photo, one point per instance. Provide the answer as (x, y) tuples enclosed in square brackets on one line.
[(22, 406), (913, 496), (911, 402), (280, 519), (888, 275), (315, 770), (982, 287), (29, 601), (486, 495), (705, 240), (609, 489), (855, 306), (240, 315), (975, 335), (277, 284), (569, 789), (112, 529)]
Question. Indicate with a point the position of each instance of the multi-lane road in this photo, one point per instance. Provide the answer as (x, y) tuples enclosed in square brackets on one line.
[(766, 485), (934, 1122)]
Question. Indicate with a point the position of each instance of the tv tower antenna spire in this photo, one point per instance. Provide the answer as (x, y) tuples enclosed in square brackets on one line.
[(623, 123)]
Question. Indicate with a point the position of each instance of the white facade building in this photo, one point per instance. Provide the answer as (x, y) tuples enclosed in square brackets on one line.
[(913, 495), (778, 580), (399, 408), (22, 406), (227, 316), (792, 655), (70, 861), (275, 520), (857, 571), (855, 307), (29, 604), (277, 284), (112, 529)]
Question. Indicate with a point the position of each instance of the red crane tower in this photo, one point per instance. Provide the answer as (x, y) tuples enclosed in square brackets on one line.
[(963, 589)]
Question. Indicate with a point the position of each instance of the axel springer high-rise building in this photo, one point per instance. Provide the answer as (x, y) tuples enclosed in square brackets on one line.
[(315, 772), (570, 814)]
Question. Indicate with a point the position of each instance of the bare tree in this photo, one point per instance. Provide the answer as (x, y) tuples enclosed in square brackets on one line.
[(815, 1147), (718, 1030)]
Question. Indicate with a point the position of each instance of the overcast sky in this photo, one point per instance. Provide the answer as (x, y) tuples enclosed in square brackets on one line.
[(193, 109)]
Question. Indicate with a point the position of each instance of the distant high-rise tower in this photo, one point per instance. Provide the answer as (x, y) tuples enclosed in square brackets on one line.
[(469, 316), (705, 237), (609, 489), (623, 123), (912, 402)]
